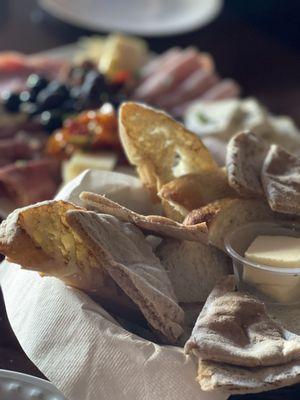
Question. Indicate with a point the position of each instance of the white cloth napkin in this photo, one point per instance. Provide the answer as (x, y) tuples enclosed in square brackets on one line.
[(77, 345)]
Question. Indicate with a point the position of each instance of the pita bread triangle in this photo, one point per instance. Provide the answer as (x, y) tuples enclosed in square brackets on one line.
[(124, 253), (156, 224), (234, 328)]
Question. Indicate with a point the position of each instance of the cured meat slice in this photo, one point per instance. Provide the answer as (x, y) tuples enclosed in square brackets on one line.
[(195, 85), (167, 79), (27, 182)]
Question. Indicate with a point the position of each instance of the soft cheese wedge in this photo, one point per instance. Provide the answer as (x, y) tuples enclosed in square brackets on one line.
[(274, 251), (79, 162)]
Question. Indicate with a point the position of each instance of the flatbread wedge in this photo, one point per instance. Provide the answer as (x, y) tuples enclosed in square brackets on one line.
[(122, 250), (156, 224), (240, 380), (234, 328), (281, 180), (193, 268), (39, 238), (261, 355), (244, 160), (160, 148), (225, 215)]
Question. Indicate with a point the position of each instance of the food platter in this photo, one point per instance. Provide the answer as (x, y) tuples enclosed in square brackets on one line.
[(184, 257), (46, 99)]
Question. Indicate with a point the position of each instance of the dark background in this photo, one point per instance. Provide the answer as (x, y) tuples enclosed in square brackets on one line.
[(256, 42)]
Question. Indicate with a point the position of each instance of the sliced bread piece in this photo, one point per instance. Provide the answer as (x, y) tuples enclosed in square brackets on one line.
[(160, 147)]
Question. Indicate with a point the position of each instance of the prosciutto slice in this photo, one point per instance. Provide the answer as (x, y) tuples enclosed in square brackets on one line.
[(179, 77), (166, 79), (191, 88), (27, 182), (23, 146)]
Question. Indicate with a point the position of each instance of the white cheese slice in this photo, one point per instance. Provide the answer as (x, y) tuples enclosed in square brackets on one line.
[(274, 251), (79, 162), (217, 118)]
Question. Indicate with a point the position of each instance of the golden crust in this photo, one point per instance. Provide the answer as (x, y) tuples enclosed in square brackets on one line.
[(193, 191), (209, 212), (38, 238), (17, 245), (159, 147)]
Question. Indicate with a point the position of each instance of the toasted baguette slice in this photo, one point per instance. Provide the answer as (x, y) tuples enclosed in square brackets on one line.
[(160, 148), (39, 238), (225, 215), (192, 191), (156, 224)]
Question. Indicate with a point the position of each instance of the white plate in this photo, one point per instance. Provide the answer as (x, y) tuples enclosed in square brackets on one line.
[(16, 386), (143, 17)]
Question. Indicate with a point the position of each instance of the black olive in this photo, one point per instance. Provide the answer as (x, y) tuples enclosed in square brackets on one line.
[(27, 96), (69, 105), (11, 101), (97, 79), (75, 92), (91, 92), (58, 88), (31, 109), (36, 82), (51, 120), (48, 101)]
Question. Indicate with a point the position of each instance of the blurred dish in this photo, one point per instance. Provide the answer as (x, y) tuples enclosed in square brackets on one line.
[(149, 18), (16, 386)]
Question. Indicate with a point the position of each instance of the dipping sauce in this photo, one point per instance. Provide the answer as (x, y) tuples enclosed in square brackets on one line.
[(277, 252)]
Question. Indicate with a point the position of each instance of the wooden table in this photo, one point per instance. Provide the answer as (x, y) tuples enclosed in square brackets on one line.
[(264, 68)]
